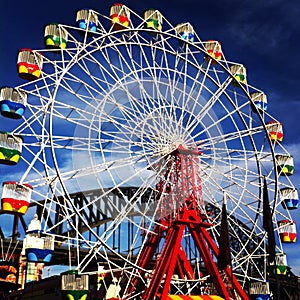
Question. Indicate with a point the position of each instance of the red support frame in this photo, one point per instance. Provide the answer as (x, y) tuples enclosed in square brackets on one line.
[(185, 194)]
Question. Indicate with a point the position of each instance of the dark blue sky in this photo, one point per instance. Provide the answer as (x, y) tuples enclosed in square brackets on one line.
[(262, 35)]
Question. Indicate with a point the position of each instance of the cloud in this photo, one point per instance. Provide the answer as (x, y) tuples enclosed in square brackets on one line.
[(262, 26)]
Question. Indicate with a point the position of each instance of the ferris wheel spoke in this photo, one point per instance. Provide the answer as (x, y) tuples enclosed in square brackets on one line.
[(231, 136)]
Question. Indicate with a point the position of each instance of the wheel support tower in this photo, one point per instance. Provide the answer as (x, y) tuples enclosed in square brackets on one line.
[(181, 211)]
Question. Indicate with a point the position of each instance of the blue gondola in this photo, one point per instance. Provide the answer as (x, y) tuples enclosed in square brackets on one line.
[(12, 102), (38, 245), (289, 198), (87, 19), (259, 291), (185, 31)]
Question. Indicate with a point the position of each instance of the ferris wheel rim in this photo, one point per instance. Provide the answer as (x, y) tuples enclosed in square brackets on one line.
[(82, 52)]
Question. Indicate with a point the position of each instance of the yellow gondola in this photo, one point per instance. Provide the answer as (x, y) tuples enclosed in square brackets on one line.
[(55, 36), (74, 286)]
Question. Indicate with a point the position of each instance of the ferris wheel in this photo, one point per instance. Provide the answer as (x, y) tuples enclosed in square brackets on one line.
[(126, 124)]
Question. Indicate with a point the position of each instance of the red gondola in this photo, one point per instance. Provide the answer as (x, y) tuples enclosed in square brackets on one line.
[(120, 16), (275, 131), (213, 48), (15, 197), (29, 64), (287, 231)]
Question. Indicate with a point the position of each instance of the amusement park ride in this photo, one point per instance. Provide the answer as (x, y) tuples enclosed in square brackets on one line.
[(147, 166)]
